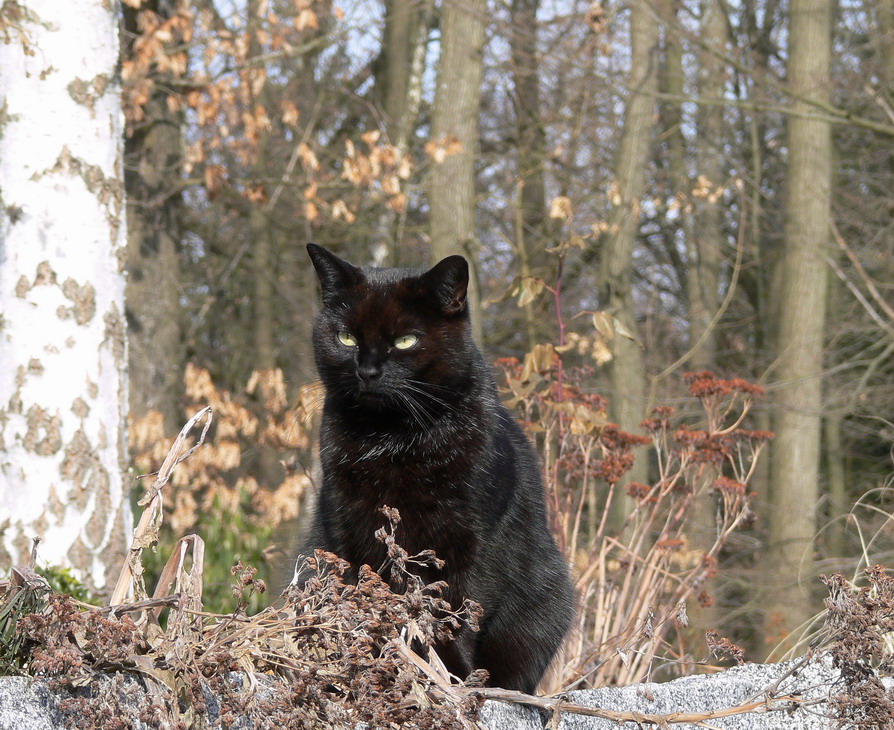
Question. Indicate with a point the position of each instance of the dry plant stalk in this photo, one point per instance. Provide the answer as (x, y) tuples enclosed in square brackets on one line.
[(331, 654), (858, 631), (146, 532), (638, 582), (633, 584)]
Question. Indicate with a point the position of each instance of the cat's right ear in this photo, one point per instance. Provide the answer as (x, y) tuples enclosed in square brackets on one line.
[(335, 274), (448, 280)]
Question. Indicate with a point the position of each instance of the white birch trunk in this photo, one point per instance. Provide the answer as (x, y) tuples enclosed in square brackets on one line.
[(63, 391)]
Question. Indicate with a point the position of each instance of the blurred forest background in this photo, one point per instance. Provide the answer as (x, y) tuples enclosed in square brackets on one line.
[(712, 178), (645, 188)]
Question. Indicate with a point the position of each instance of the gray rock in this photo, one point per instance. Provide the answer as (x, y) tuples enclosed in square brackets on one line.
[(27, 704), (701, 693), (507, 716), (709, 692)]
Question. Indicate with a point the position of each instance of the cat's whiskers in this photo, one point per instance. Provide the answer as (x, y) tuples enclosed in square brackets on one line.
[(413, 386), (412, 396), (419, 414), (432, 386)]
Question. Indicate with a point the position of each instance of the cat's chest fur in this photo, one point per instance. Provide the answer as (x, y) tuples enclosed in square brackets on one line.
[(431, 476)]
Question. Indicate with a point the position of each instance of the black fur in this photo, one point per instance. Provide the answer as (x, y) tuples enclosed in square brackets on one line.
[(423, 430)]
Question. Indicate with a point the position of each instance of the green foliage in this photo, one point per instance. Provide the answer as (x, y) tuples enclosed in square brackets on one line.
[(62, 580)]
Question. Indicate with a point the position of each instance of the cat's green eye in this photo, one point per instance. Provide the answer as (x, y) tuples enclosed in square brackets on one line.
[(405, 342), (347, 339)]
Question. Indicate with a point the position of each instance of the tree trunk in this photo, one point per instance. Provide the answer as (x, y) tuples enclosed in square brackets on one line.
[(701, 219), (616, 266), (885, 19), (154, 315), (762, 247), (705, 249), (794, 463), (407, 26), (308, 87), (406, 32), (457, 101), (262, 301), (704, 252), (269, 471), (535, 229), (836, 531), (63, 392)]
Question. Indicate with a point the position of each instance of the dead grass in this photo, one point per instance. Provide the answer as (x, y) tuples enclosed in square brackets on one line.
[(635, 580)]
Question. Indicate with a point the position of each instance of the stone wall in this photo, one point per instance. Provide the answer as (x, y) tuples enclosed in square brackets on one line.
[(27, 704)]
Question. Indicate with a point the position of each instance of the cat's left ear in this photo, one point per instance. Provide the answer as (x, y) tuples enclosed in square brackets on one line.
[(448, 280), (335, 274)]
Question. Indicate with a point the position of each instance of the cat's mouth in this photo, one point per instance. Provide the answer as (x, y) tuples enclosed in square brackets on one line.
[(383, 401), (371, 394), (374, 397)]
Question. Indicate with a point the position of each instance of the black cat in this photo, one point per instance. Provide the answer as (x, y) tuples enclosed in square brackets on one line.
[(412, 420)]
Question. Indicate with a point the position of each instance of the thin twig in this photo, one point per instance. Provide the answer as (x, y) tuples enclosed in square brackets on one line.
[(858, 267), (560, 704), (164, 601), (826, 111), (731, 289), (860, 296)]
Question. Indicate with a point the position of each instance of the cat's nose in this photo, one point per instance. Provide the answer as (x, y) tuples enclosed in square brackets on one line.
[(369, 373)]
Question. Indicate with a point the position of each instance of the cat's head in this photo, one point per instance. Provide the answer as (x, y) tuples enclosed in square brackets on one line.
[(392, 338)]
